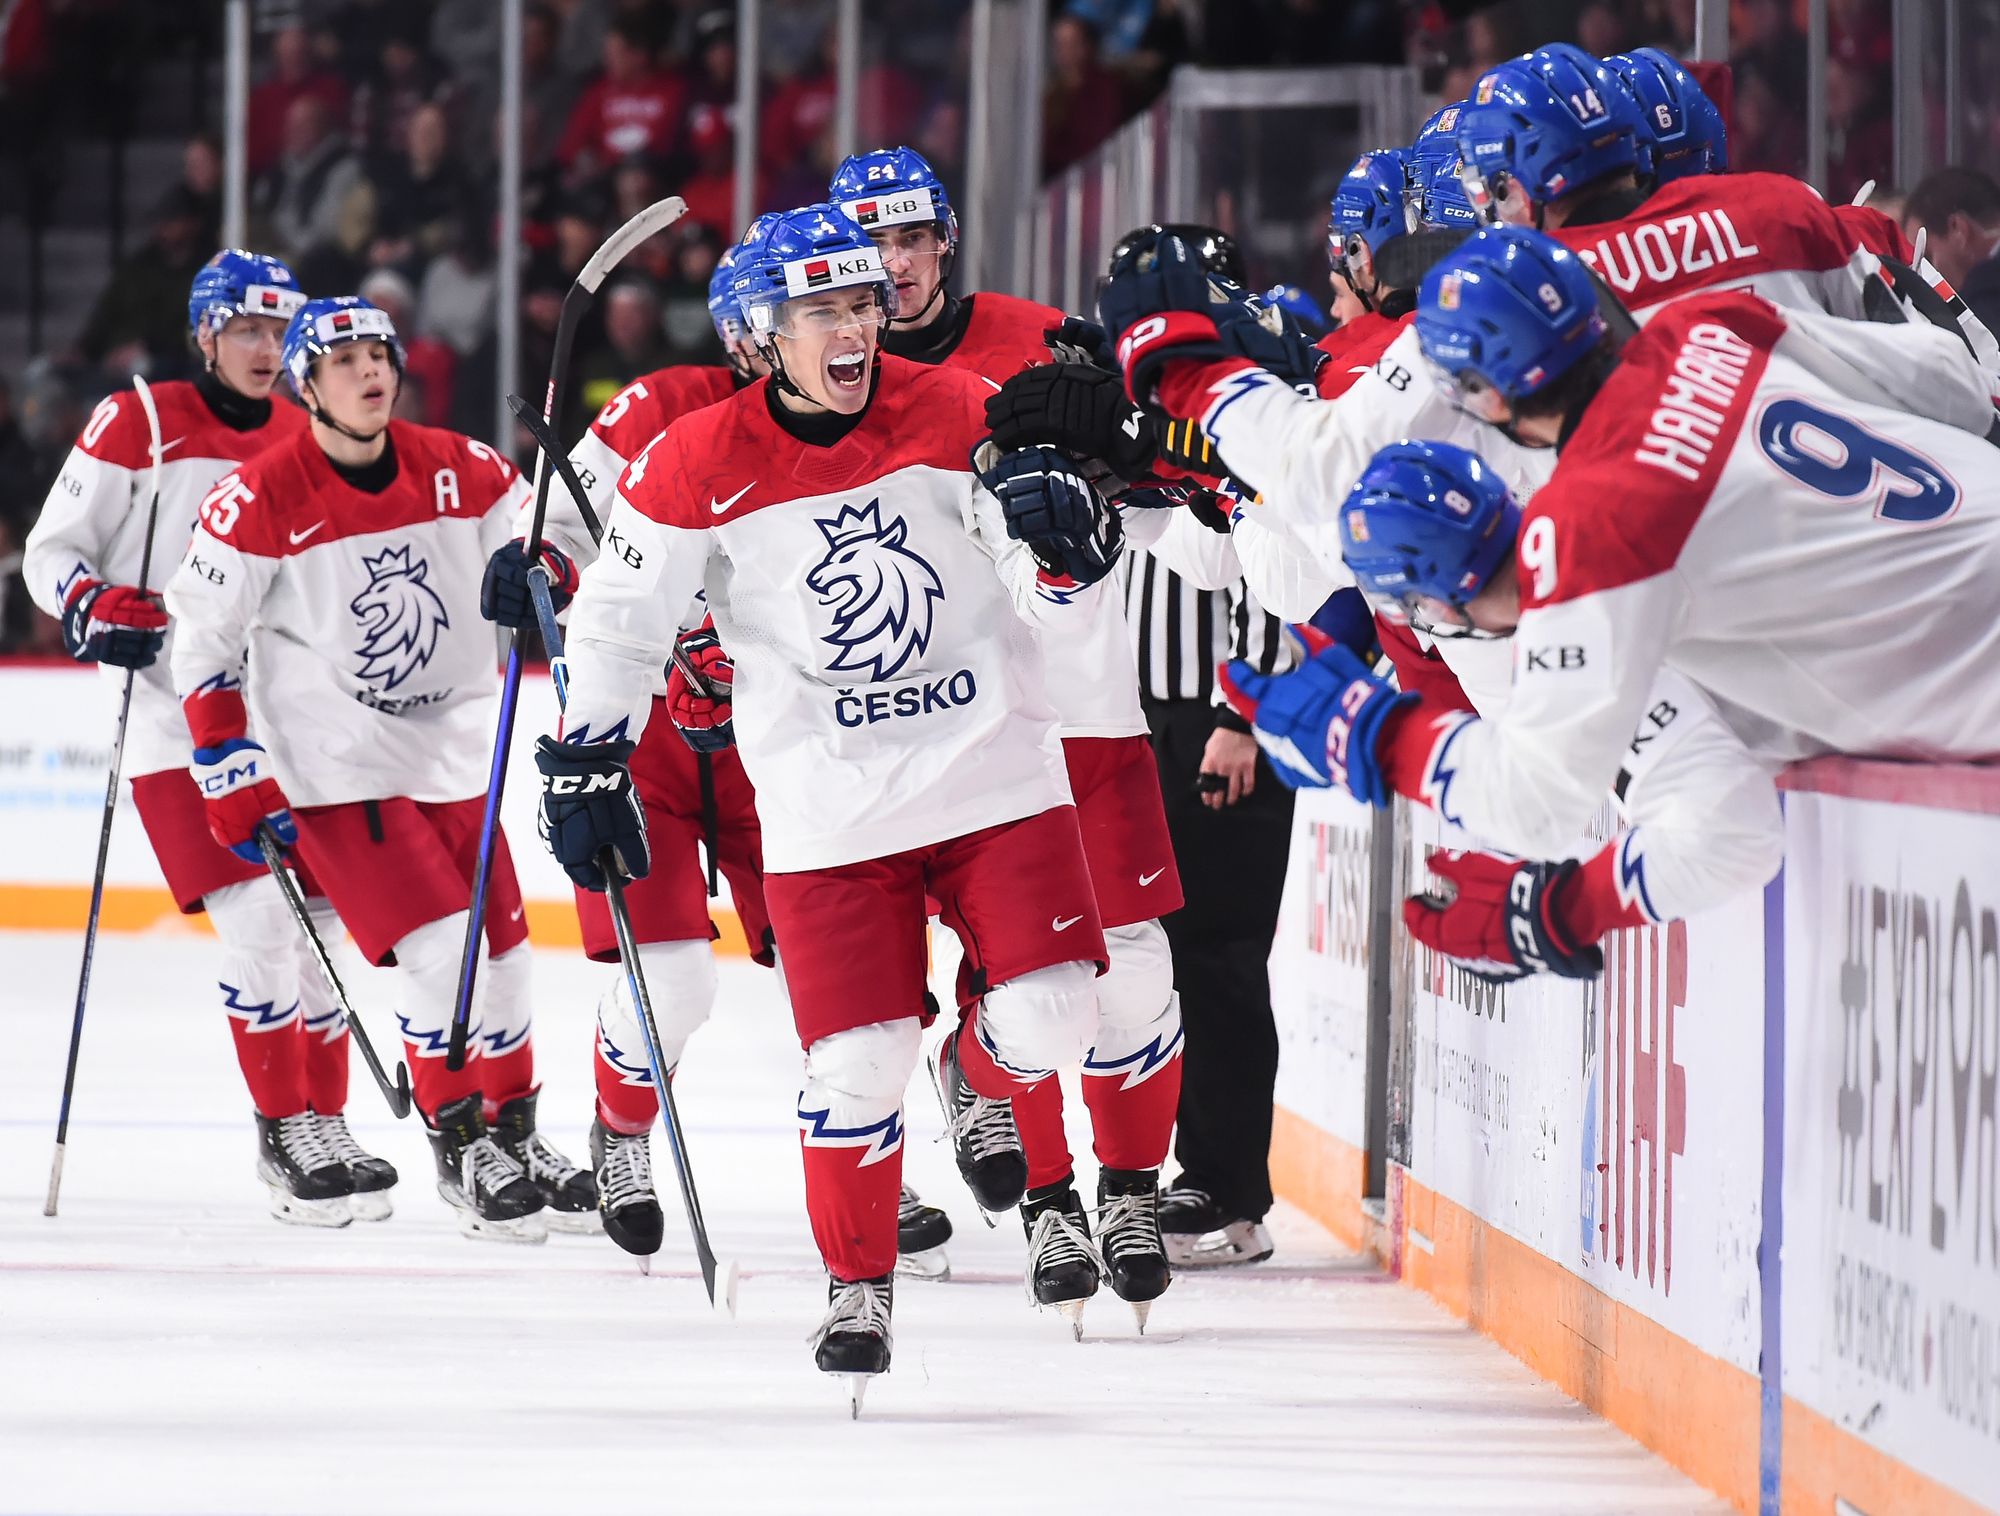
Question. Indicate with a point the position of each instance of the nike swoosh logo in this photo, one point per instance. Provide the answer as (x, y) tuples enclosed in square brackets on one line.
[(175, 443), (1063, 926), (725, 505), (1146, 879), (298, 537), (517, 913)]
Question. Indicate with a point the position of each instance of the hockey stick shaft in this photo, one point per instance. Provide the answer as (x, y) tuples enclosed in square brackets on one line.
[(635, 979), (545, 439), (653, 219), (398, 1093), (145, 394)]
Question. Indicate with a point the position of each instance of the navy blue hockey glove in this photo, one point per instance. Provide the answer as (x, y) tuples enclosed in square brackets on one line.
[(1075, 536), (1319, 723), (503, 593), (1073, 406), (114, 623), (589, 804)]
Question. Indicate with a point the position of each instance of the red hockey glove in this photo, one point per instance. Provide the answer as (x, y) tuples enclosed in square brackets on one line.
[(1504, 919), (114, 623), (698, 691), (236, 785)]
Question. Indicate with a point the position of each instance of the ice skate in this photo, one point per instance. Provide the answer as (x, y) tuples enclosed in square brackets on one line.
[(1064, 1266), (628, 1204), (308, 1185), (1199, 1234), (921, 1233), (373, 1177), (1128, 1233), (854, 1339), (984, 1139), (569, 1193), (494, 1199)]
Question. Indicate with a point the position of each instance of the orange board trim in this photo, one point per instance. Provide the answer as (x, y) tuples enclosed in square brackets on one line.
[(127, 908)]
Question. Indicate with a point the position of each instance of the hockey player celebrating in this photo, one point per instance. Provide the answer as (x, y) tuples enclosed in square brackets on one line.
[(80, 565), (891, 715), (1730, 432), (895, 197), (346, 565)]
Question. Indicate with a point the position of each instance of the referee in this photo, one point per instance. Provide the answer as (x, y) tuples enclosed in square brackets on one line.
[(1231, 823)]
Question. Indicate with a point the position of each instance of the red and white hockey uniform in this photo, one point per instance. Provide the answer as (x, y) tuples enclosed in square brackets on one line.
[(374, 673), (93, 526), (1823, 563), (371, 679), (888, 692), (1003, 335)]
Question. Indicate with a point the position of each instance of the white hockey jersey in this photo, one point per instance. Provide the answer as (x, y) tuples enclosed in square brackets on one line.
[(93, 526), (1751, 503), (371, 672), (889, 692)]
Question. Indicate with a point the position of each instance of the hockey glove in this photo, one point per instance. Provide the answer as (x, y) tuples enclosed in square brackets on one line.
[(1075, 536), (1183, 445), (1080, 341), (1077, 408), (589, 804), (503, 594), (1502, 918), (238, 791), (699, 685), (1320, 723), (114, 623)]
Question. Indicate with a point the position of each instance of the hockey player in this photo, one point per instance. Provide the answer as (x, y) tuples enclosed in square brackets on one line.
[(80, 565), (346, 565), (894, 196), (891, 716), (1849, 463), (1107, 752)]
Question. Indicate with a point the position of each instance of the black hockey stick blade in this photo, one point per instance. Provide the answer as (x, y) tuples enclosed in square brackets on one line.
[(398, 1093), (545, 439)]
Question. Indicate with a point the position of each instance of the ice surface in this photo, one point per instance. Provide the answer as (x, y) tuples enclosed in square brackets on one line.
[(165, 1346)]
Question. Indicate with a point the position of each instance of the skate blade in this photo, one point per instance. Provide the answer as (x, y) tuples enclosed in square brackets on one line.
[(926, 1263), (528, 1230), (727, 1276), (290, 1209), (576, 1223), (1072, 1312), (371, 1205), (645, 1262), (857, 1391), (1232, 1247), (1141, 1309)]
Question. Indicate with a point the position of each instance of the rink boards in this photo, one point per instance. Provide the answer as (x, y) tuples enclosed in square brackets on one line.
[(56, 726), (1594, 1174)]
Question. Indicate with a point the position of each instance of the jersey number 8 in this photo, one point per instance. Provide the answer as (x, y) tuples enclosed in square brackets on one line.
[(1842, 458)]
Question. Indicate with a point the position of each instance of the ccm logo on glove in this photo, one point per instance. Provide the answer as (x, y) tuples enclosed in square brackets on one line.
[(585, 784)]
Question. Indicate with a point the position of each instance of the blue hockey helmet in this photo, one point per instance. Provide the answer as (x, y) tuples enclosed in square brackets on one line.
[(805, 252), (1683, 130), (1308, 312), (1427, 520), (1547, 120), (236, 283), (722, 307), (1507, 310), (1371, 203), (893, 186), (1437, 198), (319, 326)]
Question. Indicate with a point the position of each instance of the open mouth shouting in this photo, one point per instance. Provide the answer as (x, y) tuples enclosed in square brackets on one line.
[(847, 371)]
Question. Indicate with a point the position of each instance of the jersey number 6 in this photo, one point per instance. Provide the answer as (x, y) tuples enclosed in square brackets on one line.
[(1842, 458)]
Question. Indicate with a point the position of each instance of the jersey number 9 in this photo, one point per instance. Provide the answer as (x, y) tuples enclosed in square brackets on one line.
[(1842, 458)]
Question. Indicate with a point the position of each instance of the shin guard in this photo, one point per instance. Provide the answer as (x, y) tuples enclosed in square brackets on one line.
[(851, 1137)]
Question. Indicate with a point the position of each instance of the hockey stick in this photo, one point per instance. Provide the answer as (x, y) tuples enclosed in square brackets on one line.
[(651, 221), (397, 1094), (722, 1295), (145, 394), (545, 439)]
